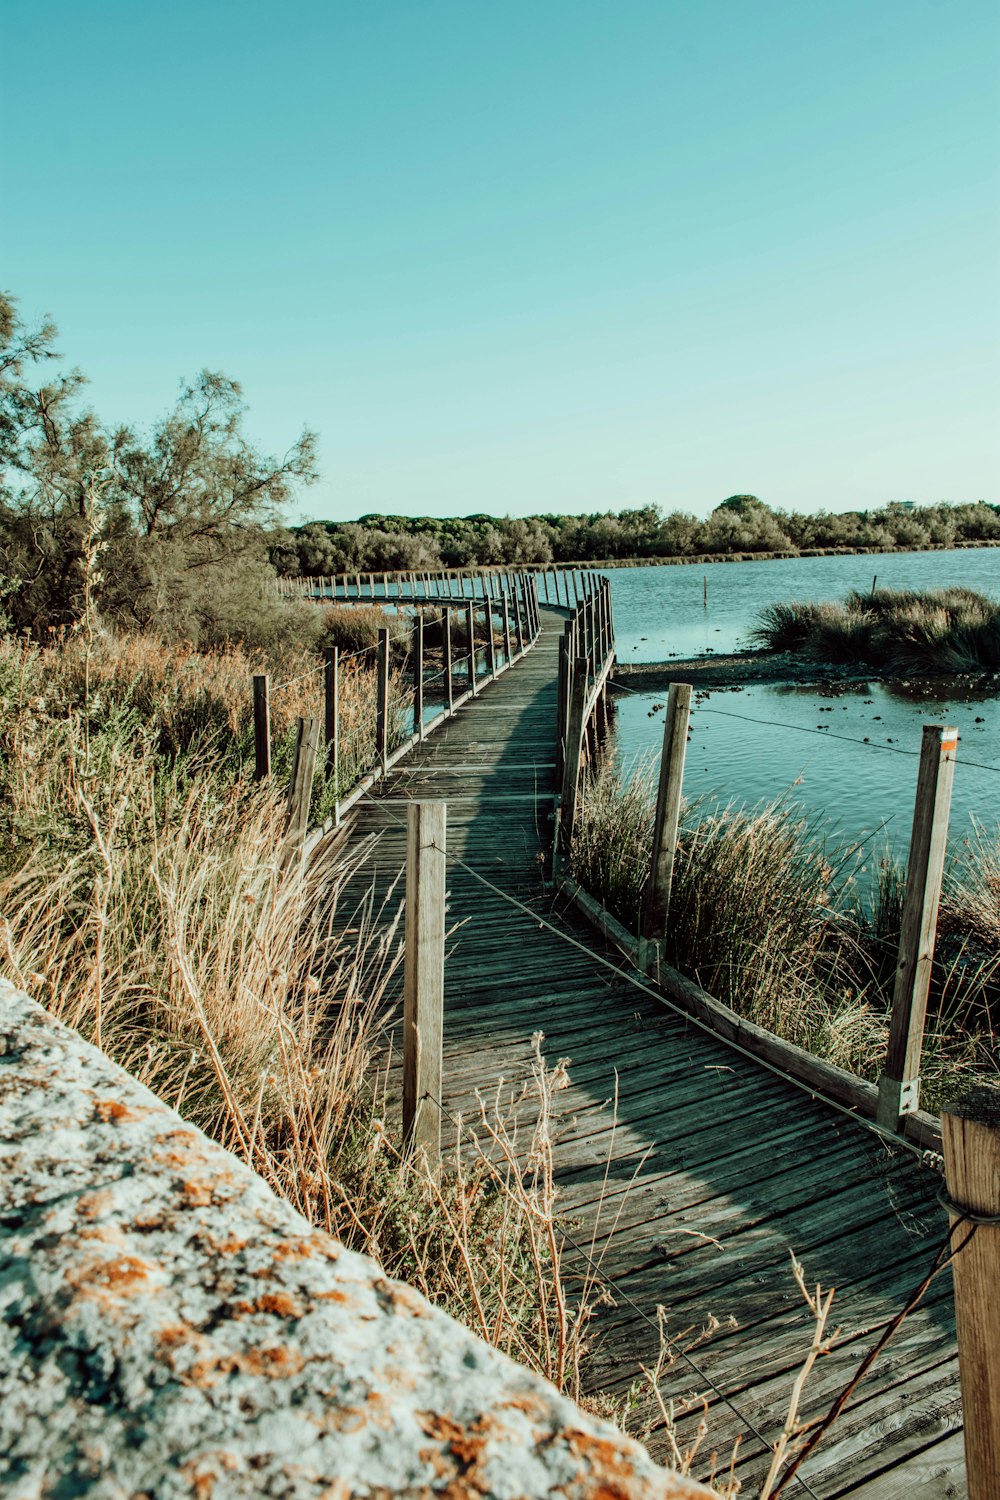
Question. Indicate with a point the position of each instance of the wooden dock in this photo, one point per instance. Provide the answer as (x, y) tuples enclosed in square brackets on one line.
[(720, 1168)]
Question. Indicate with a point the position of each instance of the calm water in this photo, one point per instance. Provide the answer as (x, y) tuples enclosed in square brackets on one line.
[(764, 741)]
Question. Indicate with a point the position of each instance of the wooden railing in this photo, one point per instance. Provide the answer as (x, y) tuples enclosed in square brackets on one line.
[(586, 661), (566, 587), (500, 622)]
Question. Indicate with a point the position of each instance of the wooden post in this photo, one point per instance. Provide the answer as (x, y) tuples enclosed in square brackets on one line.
[(382, 700), (300, 785), (506, 631), (562, 707), (573, 753), (517, 621), (668, 808), (331, 703), (970, 1134), (423, 978), (470, 625), (446, 649), (261, 728), (418, 675), (491, 649), (899, 1086)]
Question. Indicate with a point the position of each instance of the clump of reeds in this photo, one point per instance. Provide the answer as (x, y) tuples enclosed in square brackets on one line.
[(762, 918), (898, 631)]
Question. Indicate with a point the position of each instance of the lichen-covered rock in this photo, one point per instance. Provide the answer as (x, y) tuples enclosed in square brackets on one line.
[(168, 1327)]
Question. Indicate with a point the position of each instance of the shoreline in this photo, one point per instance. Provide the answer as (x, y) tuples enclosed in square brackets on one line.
[(704, 558), (735, 669)]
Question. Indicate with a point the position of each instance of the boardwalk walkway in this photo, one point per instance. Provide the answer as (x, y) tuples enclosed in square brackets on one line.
[(727, 1168)]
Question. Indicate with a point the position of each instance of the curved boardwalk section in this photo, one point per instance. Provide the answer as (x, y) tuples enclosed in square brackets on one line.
[(711, 1169)]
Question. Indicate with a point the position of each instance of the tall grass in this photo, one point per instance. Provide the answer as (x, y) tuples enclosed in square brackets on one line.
[(763, 919), (899, 631), (142, 900)]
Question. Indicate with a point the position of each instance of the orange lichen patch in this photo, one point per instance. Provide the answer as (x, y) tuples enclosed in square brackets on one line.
[(92, 1204), (338, 1490), (531, 1405), (111, 1281), (305, 1248), (174, 1334), (231, 1245), (606, 1460), (278, 1304), (340, 1298), (433, 1458), (202, 1484), (197, 1194), (465, 1443), (276, 1363), (179, 1160), (106, 1234), (201, 1473), (401, 1298), (111, 1111)]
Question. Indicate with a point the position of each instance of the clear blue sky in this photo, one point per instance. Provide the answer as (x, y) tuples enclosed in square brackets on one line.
[(554, 255)]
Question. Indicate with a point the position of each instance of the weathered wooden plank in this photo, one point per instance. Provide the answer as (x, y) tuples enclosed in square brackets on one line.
[(721, 1134)]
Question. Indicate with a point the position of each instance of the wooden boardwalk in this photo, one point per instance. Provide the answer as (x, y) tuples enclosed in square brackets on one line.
[(719, 1167)]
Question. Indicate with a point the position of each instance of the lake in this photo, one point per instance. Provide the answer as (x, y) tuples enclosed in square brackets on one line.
[(764, 741)]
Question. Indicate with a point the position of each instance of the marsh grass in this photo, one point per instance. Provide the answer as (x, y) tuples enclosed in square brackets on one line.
[(143, 901), (897, 631), (763, 918)]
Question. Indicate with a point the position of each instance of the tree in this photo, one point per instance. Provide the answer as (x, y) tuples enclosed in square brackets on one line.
[(153, 531)]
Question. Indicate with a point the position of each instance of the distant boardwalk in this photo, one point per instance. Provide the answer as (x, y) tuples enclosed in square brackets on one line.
[(727, 1167)]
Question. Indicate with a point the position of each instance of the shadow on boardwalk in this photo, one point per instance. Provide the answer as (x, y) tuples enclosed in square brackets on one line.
[(716, 1169)]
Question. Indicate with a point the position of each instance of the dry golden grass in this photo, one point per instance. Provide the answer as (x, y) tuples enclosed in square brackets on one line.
[(760, 918), (143, 901)]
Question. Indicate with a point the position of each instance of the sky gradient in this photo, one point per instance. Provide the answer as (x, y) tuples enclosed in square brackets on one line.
[(563, 255)]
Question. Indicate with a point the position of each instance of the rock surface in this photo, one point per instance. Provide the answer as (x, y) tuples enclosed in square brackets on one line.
[(168, 1327)]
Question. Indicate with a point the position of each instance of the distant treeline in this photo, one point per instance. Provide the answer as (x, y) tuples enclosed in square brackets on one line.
[(741, 524)]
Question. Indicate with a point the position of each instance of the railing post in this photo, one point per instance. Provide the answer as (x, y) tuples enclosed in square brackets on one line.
[(562, 707), (300, 786), (971, 1143), (418, 675), (446, 655), (331, 704), (423, 979), (261, 727), (491, 648), (899, 1086), (382, 700), (668, 808), (517, 620), (470, 625), (506, 630), (573, 753)]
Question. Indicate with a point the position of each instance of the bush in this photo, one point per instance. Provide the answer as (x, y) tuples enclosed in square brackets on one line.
[(901, 632)]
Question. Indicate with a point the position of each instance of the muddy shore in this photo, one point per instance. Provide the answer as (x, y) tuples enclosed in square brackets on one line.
[(741, 668)]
